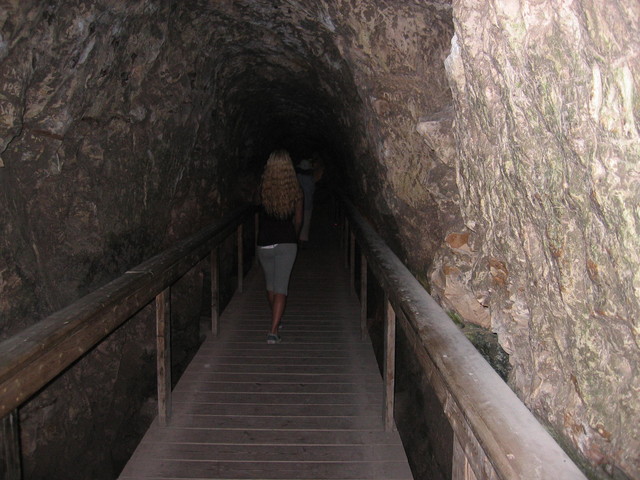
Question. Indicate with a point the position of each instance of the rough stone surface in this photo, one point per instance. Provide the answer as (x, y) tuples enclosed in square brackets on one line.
[(502, 167), (96, 122), (546, 101), (106, 148), (406, 172)]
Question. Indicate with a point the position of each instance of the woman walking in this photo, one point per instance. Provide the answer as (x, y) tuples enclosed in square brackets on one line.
[(280, 219)]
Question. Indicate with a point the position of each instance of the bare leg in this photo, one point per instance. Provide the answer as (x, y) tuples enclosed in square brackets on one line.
[(277, 310), (270, 295)]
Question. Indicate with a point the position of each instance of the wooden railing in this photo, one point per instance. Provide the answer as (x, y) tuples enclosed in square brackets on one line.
[(35, 356), (495, 435)]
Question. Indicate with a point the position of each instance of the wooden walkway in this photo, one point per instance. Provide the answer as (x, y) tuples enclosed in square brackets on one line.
[(307, 408)]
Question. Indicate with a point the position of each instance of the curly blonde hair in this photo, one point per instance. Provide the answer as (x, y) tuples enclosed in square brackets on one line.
[(280, 189)]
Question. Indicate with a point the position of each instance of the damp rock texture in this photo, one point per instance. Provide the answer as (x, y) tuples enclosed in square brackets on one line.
[(501, 166), (406, 169), (127, 125), (98, 116), (547, 109), (100, 110)]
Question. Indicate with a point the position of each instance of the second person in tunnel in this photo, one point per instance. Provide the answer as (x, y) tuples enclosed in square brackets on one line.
[(280, 220)]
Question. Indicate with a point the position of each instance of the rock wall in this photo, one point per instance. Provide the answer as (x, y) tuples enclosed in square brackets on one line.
[(546, 101), (405, 169), (105, 158), (508, 183), (100, 109)]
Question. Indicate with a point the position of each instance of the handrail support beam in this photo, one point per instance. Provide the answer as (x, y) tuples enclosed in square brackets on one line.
[(352, 260), (389, 364), (215, 292), (11, 446), (363, 296), (240, 258), (163, 337)]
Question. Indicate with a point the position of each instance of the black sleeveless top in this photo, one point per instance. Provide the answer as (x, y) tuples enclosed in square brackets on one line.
[(273, 230)]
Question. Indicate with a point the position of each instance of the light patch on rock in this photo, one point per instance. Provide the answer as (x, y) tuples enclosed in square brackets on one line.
[(4, 48), (453, 65)]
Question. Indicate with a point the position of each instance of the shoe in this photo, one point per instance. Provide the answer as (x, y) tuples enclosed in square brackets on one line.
[(273, 338)]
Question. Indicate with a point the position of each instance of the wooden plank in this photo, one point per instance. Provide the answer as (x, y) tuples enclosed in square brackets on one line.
[(163, 354), (363, 296), (222, 436), (460, 470), (389, 364), (321, 333), (352, 261), (215, 291), (293, 369), (283, 470), (276, 361), (300, 343), (206, 375), (240, 257), (256, 229), (294, 351), (252, 409), (282, 387), (280, 453), (277, 422), (310, 333), (475, 459), (285, 365), (281, 399), (10, 440)]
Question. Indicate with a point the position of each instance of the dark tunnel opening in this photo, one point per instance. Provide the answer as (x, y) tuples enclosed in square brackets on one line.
[(312, 111), (288, 116)]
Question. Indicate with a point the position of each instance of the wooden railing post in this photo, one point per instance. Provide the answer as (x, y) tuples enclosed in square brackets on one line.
[(460, 468), (256, 229), (240, 258), (389, 363), (363, 296), (163, 337), (215, 292), (345, 242), (352, 260), (11, 446)]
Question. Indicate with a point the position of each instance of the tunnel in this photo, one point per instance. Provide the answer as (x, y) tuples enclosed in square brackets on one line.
[(493, 145)]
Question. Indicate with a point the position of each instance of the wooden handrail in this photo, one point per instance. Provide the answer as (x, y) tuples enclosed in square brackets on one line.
[(36, 355), (496, 436)]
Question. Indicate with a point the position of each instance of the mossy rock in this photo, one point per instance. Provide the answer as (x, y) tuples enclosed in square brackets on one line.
[(486, 342)]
